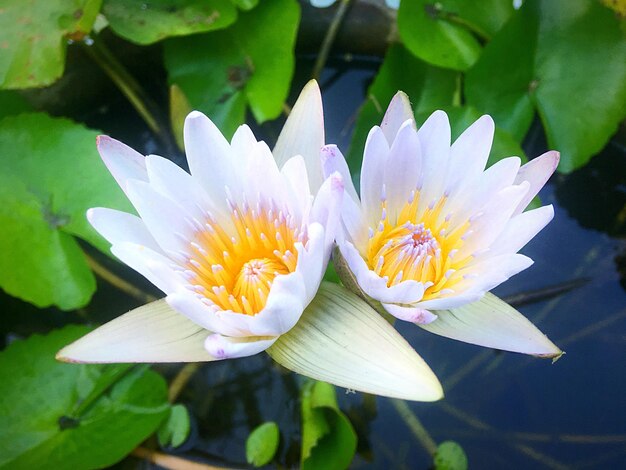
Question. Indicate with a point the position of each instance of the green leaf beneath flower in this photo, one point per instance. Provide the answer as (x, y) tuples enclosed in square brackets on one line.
[(445, 33), (148, 21), (33, 38), (341, 340), (247, 64), (450, 456), (55, 415), (429, 88), (11, 103), (51, 174), (563, 58), (328, 439), (175, 429), (262, 444)]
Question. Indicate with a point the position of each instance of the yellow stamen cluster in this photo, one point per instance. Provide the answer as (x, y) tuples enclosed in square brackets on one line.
[(419, 245), (233, 265)]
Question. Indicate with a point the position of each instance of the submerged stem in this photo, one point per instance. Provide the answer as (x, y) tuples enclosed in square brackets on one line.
[(329, 38), (181, 379), (415, 425)]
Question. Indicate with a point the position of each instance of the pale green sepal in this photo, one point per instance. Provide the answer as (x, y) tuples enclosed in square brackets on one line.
[(493, 323), (341, 340), (151, 333), (303, 134)]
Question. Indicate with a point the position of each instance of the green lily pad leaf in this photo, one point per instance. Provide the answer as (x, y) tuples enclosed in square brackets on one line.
[(328, 439), (446, 33), (55, 415), (247, 64), (175, 429), (558, 57), (33, 38), (450, 456), (262, 444), (149, 21), (429, 88), (461, 117), (51, 174), (245, 4), (11, 103)]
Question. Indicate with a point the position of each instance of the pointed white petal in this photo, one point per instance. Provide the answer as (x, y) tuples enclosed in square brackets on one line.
[(434, 136), (493, 323), (242, 144), (521, 229), (117, 227), (303, 134), (123, 162), (536, 172), (372, 171), (149, 263), (470, 151), (334, 161), (343, 341), (151, 333), (224, 347), (398, 112), (294, 173), (326, 209)]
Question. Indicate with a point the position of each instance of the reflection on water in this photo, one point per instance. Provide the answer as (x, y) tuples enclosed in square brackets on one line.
[(506, 410)]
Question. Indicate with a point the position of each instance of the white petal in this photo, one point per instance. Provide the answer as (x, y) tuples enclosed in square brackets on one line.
[(209, 155), (123, 162), (164, 218), (343, 341), (149, 263), (242, 144), (402, 170), (434, 135), (521, 229), (294, 172), (117, 227), (536, 172), (354, 222), (151, 333), (412, 314), (223, 347), (334, 161), (372, 171), (398, 112), (313, 260), (492, 272), (326, 208), (303, 134), (493, 323), (406, 292)]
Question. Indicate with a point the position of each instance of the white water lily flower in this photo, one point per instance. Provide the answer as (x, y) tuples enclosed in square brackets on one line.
[(434, 231)]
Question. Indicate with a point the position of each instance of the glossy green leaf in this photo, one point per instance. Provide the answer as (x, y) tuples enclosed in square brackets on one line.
[(175, 429), (262, 444), (55, 415), (461, 117), (33, 38), (51, 174), (429, 88), (328, 439), (248, 64), (450, 456), (446, 33), (148, 21), (565, 59)]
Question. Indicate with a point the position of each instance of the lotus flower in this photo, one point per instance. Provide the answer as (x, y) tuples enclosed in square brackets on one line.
[(239, 246), (433, 231)]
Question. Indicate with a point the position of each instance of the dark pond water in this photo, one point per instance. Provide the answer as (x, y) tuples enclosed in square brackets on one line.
[(506, 410)]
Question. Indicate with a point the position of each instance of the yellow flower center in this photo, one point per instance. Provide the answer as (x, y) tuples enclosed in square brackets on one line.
[(419, 245), (234, 268)]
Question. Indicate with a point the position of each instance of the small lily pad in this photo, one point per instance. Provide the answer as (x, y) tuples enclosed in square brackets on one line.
[(262, 444)]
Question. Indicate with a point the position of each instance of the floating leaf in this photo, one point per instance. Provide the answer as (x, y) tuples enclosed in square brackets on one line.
[(175, 429), (148, 21), (51, 174), (446, 32), (55, 415), (429, 88), (563, 58), (246, 64), (12, 103), (450, 456), (33, 38), (262, 444), (328, 439)]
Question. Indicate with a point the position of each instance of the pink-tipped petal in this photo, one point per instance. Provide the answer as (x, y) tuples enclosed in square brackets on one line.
[(537, 172), (410, 314), (224, 347)]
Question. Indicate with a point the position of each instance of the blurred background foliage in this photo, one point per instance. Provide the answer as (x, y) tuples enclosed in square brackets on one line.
[(561, 61)]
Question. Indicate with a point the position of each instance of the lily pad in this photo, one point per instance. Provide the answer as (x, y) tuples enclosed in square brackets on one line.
[(446, 33), (175, 429), (33, 38), (247, 64), (149, 21), (564, 59), (55, 415), (429, 88), (51, 174), (328, 439), (262, 444)]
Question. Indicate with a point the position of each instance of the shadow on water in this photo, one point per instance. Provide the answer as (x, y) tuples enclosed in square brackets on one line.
[(506, 410)]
